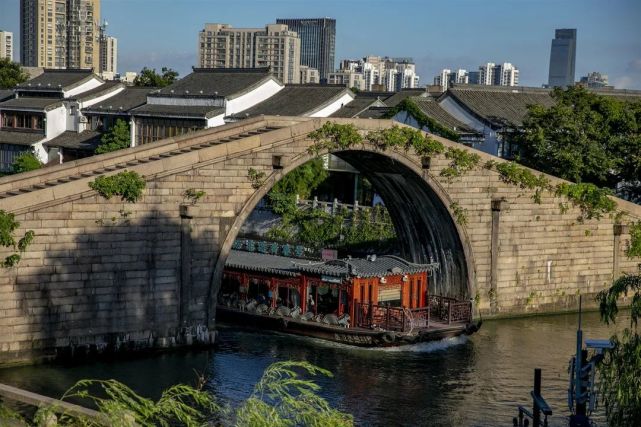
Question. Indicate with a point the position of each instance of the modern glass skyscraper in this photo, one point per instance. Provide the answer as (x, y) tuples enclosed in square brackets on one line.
[(318, 43), (562, 58)]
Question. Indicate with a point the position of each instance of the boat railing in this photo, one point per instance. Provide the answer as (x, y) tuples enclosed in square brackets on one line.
[(440, 309)]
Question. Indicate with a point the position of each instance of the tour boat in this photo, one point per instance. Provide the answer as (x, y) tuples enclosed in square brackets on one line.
[(368, 302)]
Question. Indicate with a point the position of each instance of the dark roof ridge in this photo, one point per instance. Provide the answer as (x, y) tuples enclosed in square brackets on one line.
[(255, 70)]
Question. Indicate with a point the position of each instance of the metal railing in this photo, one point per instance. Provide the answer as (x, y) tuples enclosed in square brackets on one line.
[(440, 309), (58, 406)]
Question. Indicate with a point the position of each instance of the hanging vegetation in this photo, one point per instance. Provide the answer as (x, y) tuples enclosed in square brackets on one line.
[(128, 185), (8, 226)]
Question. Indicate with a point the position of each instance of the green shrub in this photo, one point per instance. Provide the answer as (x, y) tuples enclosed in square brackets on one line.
[(128, 185), (25, 162)]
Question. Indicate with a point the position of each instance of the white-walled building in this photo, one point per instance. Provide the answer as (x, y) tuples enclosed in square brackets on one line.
[(309, 75), (6, 45), (275, 46), (448, 77), (378, 73)]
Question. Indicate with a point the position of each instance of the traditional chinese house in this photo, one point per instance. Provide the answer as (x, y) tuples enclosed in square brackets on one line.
[(381, 300)]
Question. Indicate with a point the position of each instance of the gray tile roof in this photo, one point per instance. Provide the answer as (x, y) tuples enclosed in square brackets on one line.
[(262, 263), (86, 141), (433, 110), (28, 103), (357, 106), (499, 106), (274, 264), (222, 82), (296, 100), (122, 102), (183, 111), (96, 92), (375, 113), (6, 94), (385, 265), (57, 80), (398, 97), (20, 138)]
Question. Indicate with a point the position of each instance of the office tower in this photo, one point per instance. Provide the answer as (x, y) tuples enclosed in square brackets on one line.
[(562, 58), (275, 46), (60, 33), (6, 45), (318, 42)]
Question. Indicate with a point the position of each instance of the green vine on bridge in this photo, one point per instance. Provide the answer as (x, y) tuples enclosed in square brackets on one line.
[(8, 226), (128, 185), (334, 136), (460, 214), (634, 247), (256, 178), (512, 173), (193, 195), (462, 161), (593, 201)]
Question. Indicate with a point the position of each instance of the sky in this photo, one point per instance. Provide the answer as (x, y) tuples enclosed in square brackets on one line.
[(445, 34)]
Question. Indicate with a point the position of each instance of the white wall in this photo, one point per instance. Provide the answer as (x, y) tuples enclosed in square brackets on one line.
[(216, 121), (88, 85), (248, 100), (334, 106), (491, 143)]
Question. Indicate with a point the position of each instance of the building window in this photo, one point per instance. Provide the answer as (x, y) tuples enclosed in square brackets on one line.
[(22, 120)]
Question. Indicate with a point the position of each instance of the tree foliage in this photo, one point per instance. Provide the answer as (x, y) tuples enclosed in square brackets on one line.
[(8, 226), (302, 180), (620, 371), (116, 138), (584, 137), (283, 397), (11, 74), (25, 162), (150, 78)]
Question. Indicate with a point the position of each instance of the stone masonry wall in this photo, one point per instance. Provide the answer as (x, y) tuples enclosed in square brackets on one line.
[(104, 275)]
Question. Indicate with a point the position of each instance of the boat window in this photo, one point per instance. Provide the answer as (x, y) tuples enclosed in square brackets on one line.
[(390, 295)]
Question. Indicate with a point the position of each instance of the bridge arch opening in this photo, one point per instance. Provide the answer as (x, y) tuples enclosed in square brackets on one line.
[(418, 207)]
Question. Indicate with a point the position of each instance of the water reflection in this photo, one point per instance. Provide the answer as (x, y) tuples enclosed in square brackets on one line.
[(459, 382)]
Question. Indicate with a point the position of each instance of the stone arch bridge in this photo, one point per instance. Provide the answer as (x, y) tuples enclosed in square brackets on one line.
[(105, 274)]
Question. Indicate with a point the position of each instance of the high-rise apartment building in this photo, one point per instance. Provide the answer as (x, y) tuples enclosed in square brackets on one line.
[(562, 58), (309, 75), (60, 33), (491, 74), (448, 77), (108, 55), (6, 45), (378, 73), (318, 42), (275, 46)]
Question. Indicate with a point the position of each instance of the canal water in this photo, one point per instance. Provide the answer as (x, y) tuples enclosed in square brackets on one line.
[(476, 381)]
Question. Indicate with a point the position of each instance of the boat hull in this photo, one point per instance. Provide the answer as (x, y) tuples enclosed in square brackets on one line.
[(352, 336)]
